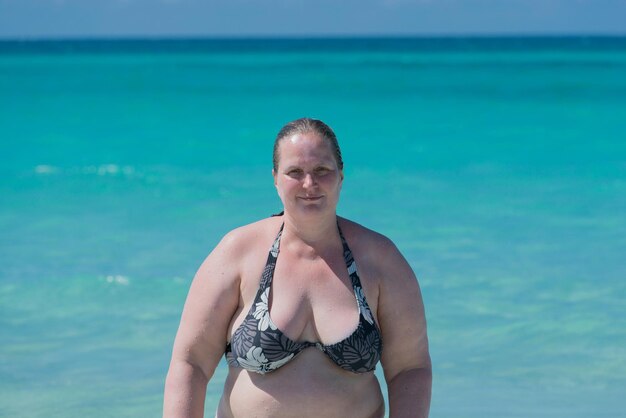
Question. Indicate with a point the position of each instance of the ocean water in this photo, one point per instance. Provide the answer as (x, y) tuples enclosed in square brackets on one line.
[(497, 166)]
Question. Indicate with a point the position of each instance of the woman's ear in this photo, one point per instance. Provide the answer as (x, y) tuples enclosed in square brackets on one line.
[(274, 175), (340, 179)]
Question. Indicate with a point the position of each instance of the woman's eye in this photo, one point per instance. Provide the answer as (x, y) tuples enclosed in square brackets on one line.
[(294, 173), (321, 170)]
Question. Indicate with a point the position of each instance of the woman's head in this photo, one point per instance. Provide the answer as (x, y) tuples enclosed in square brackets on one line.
[(306, 126), (308, 169)]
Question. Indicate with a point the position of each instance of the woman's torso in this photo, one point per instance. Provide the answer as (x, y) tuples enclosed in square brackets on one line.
[(311, 298)]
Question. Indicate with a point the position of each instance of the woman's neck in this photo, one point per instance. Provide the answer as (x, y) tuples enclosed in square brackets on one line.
[(318, 234)]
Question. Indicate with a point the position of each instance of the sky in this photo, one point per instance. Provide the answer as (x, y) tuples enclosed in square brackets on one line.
[(26, 19)]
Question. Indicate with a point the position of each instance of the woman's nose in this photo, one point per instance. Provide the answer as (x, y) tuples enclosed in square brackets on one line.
[(308, 180)]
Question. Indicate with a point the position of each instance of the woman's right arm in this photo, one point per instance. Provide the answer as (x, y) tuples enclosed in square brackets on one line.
[(211, 304)]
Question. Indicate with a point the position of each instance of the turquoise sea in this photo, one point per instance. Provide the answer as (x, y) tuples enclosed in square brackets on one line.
[(497, 165)]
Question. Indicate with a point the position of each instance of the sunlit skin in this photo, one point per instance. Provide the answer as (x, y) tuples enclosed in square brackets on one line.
[(311, 299), (308, 179)]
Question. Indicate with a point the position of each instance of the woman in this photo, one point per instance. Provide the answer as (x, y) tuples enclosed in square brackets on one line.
[(296, 342)]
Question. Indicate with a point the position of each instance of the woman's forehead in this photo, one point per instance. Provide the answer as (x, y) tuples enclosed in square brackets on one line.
[(305, 147)]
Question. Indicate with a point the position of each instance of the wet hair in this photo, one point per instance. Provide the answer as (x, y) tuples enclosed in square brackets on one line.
[(308, 125)]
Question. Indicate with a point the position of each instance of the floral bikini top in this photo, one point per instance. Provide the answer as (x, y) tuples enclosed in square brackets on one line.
[(257, 345)]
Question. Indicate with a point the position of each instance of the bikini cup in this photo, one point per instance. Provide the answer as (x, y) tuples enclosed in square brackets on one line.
[(257, 345)]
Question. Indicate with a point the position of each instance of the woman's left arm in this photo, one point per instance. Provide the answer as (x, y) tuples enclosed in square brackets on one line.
[(405, 359)]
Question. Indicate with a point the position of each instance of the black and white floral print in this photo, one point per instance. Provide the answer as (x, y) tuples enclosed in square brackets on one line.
[(262, 312), (256, 361), (259, 346), (363, 306)]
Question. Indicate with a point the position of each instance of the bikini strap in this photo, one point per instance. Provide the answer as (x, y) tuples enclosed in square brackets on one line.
[(349, 259), (270, 264), (364, 309)]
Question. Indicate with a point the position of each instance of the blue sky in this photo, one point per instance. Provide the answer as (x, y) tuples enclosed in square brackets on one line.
[(156, 18)]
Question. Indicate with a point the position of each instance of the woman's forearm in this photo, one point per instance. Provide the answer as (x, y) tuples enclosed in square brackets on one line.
[(409, 394), (185, 391)]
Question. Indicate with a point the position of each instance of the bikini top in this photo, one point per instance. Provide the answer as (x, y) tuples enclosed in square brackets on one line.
[(257, 345)]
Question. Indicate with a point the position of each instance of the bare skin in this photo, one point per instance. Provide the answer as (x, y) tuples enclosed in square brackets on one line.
[(311, 299)]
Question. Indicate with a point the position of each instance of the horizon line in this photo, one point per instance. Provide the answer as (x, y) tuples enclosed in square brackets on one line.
[(278, 37)]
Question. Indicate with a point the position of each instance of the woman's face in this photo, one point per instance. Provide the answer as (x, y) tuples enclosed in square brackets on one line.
[(308, 179)]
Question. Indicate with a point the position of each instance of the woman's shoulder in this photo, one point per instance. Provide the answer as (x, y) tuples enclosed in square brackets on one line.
[(248, 237), (363, 238), (376, 255), (241, 247)]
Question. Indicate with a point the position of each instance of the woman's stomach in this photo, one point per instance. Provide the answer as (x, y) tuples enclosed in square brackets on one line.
[(310, 385)]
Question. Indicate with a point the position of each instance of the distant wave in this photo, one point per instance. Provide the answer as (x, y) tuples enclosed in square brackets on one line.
[(100, 170)]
